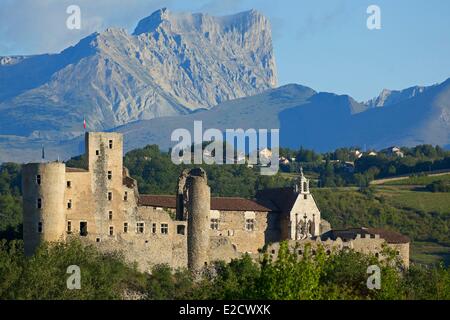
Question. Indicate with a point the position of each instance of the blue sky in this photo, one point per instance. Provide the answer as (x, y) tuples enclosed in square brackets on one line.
[(324, 44)]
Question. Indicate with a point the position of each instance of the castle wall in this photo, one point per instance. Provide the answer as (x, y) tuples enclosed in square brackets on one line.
[(151, 248), (232, 226), (83, 200), (365, 245), (47, 222)]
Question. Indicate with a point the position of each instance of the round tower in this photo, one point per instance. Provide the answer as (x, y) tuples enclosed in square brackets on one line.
[(198, 202), (44, 219)]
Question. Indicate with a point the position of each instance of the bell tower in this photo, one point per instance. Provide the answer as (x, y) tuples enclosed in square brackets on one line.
[(303, 183)]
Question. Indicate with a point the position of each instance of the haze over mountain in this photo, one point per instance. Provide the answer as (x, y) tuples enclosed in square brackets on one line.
[(178, 68)]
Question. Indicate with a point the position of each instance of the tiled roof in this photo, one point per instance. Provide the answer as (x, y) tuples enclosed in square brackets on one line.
[(157, 201), (224, 204), (350, 234)]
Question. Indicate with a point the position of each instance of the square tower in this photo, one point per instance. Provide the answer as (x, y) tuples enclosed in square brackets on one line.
[(104, 154)]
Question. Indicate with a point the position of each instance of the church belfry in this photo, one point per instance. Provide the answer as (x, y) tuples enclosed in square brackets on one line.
[(303, 183)]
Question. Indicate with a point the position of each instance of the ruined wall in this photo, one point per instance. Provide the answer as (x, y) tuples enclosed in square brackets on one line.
[(364, 244)]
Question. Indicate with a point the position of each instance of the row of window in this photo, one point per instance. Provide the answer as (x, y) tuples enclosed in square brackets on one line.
[(249, 224), (140, 228), (68, 183), (69, 202)]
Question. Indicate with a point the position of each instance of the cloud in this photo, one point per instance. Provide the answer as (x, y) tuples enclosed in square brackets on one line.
[(220, 7), (327, 18), (30, 26)]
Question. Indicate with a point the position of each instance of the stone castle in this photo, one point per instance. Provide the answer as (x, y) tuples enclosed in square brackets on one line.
[(101, 204)]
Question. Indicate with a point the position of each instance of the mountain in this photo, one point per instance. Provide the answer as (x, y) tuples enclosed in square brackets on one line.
[(389, 97), (172, 64), (176, 68), (316, 120), (319, 121)]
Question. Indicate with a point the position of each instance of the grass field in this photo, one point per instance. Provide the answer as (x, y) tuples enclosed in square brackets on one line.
[(421, 200), (429, 253), (418, 181)]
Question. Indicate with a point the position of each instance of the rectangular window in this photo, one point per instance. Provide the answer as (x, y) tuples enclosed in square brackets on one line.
[(110, 196), (164, 228), (109, 175), (83, 229), (125, 227), (39, 203), (110, 216), (305, 196), (140, 227), (69, 204), (125, 196), (249, 224), (38, 179), (215, 224), (69, 184), (39, 228), (110, 144), (97, 152), (154, 228), (111, 230), (181, 229), (69, 226)]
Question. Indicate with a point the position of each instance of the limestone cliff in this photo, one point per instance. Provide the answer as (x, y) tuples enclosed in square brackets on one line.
[(172, 64)]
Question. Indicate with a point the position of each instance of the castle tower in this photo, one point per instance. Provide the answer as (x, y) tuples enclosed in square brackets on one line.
[(104, 153), (198, 203), (44, 219)]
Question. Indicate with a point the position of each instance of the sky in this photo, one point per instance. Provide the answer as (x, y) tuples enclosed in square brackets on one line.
[(323, 44)]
